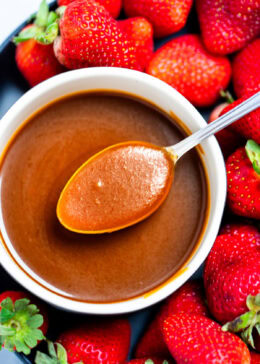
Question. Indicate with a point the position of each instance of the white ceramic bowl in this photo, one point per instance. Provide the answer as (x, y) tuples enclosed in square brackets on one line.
[(167, 99)]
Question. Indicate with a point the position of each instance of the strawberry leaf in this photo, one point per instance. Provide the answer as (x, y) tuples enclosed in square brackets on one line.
[(240, 323), (227, 96), (7, 303), (6, 331), (20, 346), (52, 17), (49, 35), (51, 349), (42, 358), (42, 15), (20, 324), (45, 28), (246, 323), (21, 304), (6, 315), (58, 356), (253, 153), (61, 353), (35, 321), (30, 340), (32, 309), (26, 34)]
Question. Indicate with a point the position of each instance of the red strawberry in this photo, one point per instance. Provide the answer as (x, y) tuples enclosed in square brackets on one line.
[(140, 31), (255, 358), (90, 36), (34, 53), (223, 29), (243, 180), (103, 342), (248, 234), (189, 298), (36, 61), (185, 64), (112, 6), (231, 273), (216, 112), (248, 125), (228, 140), (246, 69), (243, 6), (64, 59), (199, 340), (19, 313), (151, 360), (248, 323), (166, 16)]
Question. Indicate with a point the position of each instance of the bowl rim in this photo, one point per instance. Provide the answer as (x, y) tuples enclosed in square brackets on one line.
[(164, 290)]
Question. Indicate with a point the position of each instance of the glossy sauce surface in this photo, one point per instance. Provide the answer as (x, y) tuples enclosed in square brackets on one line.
[(116, 188), (107, 267)]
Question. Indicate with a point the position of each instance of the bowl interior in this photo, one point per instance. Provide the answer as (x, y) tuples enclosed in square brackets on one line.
[(167, 99)]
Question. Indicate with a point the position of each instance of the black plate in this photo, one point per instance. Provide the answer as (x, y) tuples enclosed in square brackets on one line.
[(13, 86)]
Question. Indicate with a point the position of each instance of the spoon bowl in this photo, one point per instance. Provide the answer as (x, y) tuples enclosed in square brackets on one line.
[(116, 188)]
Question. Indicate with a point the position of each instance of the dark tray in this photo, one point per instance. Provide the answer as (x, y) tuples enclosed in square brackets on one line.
[(12, 87)]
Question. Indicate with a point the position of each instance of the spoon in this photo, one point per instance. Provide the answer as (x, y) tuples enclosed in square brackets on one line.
[(126, 182)]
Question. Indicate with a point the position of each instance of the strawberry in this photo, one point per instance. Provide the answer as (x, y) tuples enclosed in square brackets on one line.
[(106, 341), (36, 61), (199, 340), (186, 65), (255, 358), (166, 16), (248, 324), (90, 36), (112, 6), (243, 6), (246, 69), (22, 326), (228, 140), (249, 125), (224, 30), (152, 360), (140, 31), (231, 273), (243, 180), (216, 113), (248, 234), (34, 53), (189, 298)]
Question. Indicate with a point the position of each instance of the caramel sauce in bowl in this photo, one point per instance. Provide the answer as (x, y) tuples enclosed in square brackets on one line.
[(122, 271)]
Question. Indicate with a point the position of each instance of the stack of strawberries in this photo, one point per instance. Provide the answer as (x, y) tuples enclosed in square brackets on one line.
[(214, 321)]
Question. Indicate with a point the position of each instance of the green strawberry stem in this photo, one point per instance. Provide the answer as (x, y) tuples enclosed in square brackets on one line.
[(246, 323), (42, 14), (227, 96), (253, 153), (44, 29), (55, 356), (19, 325)]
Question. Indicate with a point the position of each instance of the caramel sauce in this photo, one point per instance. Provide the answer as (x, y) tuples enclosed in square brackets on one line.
[(43, 155)]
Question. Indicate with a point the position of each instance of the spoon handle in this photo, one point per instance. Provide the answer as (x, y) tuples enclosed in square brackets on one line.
[(194, 139)]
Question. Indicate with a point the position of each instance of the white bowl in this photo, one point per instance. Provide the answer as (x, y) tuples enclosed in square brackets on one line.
[(167, 99)]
